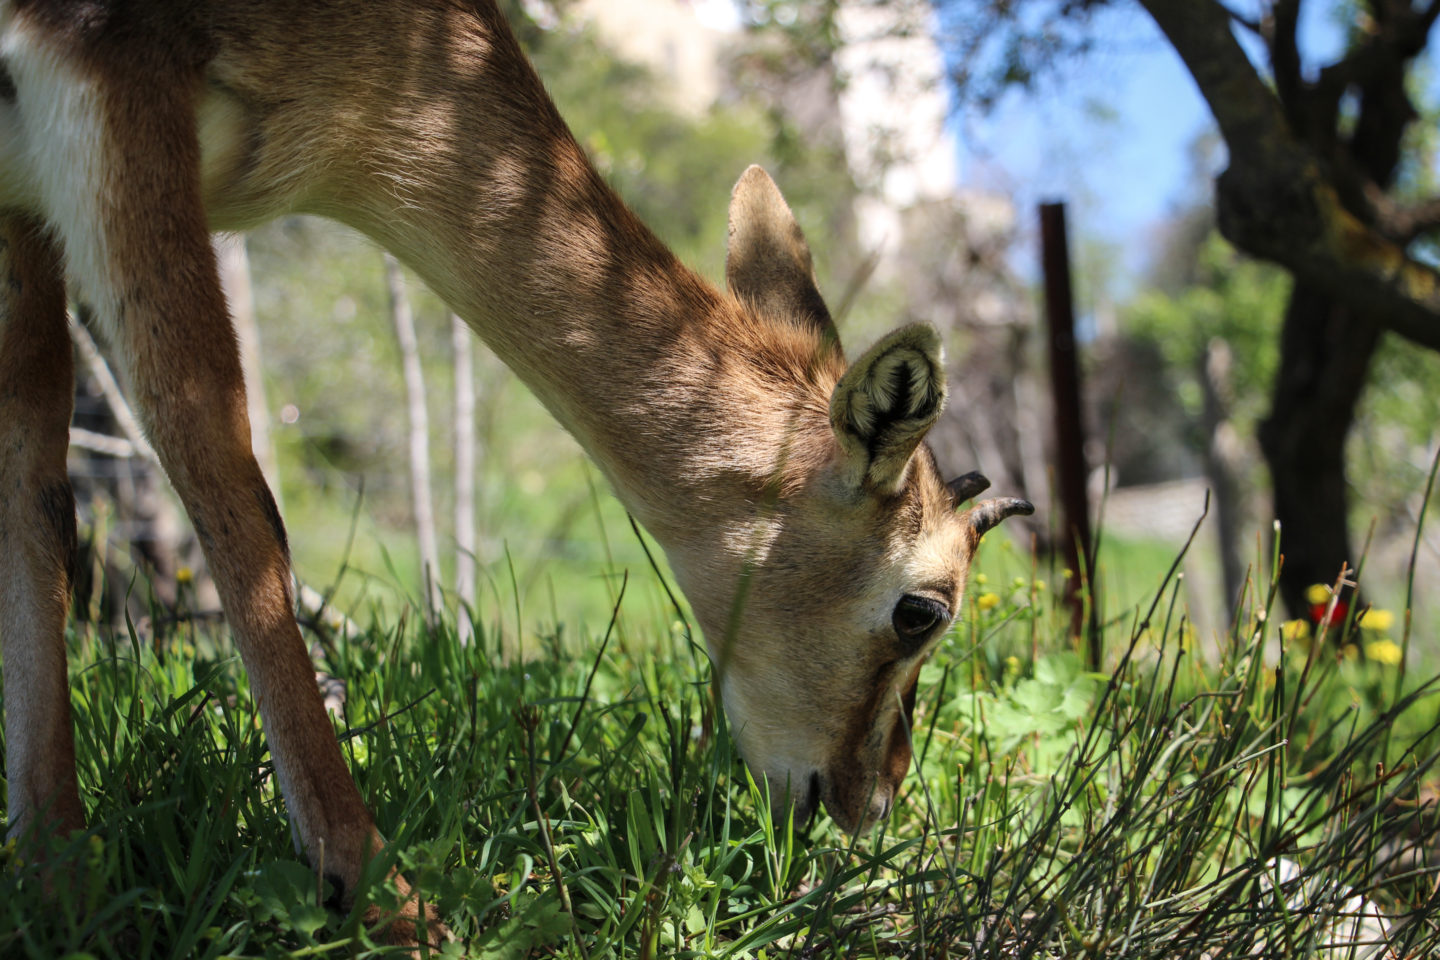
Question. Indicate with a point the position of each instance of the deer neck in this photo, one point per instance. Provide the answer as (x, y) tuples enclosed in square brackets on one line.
[(691, 405)]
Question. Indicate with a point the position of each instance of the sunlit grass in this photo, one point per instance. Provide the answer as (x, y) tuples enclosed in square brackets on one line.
[(585, 800)]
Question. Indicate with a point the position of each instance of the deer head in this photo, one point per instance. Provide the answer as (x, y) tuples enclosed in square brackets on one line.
[(851, 562)]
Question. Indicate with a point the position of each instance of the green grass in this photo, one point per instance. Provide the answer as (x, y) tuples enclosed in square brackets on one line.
[(586, 801)]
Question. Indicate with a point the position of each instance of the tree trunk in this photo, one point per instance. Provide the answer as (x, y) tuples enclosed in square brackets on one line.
[(465, 544), (419, 436), (1304, 191), (1223, 458), (1325, 352)]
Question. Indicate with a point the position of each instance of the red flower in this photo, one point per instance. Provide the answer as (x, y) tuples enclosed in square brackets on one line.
[(1317, 613)]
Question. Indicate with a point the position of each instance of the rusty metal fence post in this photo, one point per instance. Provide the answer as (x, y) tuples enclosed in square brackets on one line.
[(1069, 430)]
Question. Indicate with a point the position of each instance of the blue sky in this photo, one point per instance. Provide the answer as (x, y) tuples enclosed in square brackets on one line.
[(1111, 134)]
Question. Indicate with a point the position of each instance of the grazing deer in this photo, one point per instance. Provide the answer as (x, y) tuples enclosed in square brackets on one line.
[(805, 520)]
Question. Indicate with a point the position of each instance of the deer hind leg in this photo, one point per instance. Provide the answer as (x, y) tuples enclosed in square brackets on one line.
[(37, 530), (136, 238)]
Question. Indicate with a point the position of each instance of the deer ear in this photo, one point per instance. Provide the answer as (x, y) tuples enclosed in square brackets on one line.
[(767, 262), (884, 405)]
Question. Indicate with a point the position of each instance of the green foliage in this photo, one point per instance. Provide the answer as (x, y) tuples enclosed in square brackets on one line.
[(810, 29), (1242, 302), (1230, 298), (674, 171), (1158, 809), (1396, 422), (1042, 706), (998, 46)]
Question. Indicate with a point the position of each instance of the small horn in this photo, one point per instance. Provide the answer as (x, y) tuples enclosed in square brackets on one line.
[(968, 487), (987, 513)]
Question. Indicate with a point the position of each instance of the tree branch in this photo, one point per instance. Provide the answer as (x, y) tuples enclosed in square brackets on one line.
[(101, 443), (1244, 107), (1428, 17), (1275, 203), (1285, 57), (1257, 27), (119, 408), (1402, 223)]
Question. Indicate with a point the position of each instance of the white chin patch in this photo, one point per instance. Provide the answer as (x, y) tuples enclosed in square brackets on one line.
[(769, 751)]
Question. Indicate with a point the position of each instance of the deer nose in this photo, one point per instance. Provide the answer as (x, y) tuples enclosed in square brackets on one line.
[(880, 800)]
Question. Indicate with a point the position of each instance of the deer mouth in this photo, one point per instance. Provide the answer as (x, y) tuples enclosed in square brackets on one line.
[(860, 808), (805, 813), (861, 782), (805, 803), (801, 801)]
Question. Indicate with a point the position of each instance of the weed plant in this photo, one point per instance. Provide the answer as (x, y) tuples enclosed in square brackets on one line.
[(584, 799)]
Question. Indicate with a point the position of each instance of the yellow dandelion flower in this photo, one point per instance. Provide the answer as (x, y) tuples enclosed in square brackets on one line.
[(1385, 651), (1378, 620), (1317, 593), (1292, 630), (988, 601), (184, 575)]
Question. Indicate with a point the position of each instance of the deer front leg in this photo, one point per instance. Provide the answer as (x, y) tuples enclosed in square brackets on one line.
[(170, 318), (120, 181), (37, 532), (185, 368)]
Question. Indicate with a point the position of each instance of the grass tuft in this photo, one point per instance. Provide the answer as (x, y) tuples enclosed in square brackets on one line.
[(1264, 798)]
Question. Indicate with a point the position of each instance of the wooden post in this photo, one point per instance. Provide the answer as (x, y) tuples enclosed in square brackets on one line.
[(1069, 428)]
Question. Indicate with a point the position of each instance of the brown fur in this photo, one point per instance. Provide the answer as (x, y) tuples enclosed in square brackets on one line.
[(37, 527), (730, 425)]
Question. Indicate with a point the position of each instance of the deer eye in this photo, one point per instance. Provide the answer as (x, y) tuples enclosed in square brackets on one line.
[(916, 618)]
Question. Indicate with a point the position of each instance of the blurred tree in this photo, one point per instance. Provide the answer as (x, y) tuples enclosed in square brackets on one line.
[(463, 346), (403, 320), (1312, 185), (1320, 180), (1213, 334), (128, 521)]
